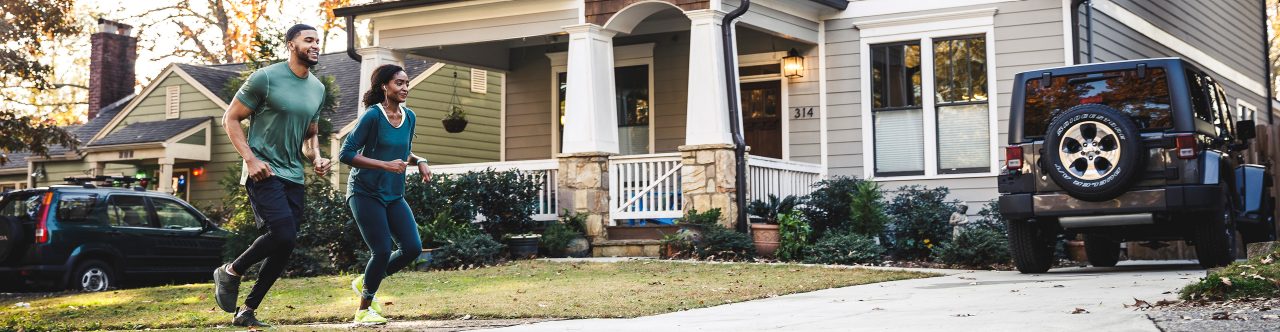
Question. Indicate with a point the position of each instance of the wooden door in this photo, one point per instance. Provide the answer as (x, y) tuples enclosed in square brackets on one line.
[(762, 118)]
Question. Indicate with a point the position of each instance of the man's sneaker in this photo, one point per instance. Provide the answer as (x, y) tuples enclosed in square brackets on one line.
[(226, 288), (369, 317), (245, 318), (357, 285)]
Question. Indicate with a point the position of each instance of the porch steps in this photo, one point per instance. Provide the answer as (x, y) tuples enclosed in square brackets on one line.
[(625, 248)]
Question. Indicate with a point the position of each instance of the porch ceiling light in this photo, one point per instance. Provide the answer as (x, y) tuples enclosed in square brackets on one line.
[(793, 64)]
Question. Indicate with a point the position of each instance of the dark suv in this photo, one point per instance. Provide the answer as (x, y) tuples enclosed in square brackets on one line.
[(1144, 150), (89, 237)]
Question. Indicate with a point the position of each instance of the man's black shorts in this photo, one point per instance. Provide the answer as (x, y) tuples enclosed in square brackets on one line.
[(274, 199)]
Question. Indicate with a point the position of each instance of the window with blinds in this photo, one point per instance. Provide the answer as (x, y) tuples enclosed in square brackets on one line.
[(960, 97), (172, 100), (897, 113)]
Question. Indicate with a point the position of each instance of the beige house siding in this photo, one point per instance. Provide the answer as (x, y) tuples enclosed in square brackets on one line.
[(529, 90)]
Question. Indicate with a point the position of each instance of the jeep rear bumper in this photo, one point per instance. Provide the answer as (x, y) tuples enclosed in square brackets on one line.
[(1171, 199)]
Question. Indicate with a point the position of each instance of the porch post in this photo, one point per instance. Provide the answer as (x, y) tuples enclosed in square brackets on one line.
[(99, 168), (165, 182), (590, 127), (371, 58), (707, 172)]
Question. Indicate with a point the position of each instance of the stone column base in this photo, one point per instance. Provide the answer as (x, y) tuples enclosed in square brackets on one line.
[(707, 178), (583, 184)]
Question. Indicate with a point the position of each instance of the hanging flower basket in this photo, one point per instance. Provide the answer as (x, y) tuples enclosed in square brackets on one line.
[(454, 125), (456, 121)]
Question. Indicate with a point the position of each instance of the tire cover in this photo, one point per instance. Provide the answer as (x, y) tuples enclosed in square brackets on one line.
[(1093, 152), (10, 237)]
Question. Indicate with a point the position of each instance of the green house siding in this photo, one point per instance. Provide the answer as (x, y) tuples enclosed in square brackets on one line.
[(11, 178), (430, 99)]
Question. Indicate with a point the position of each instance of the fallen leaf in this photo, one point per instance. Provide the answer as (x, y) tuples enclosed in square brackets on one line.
[(388, 303), (1221, 315), (1225, 281), (290, 307), (1079, 311), (1267, 260), (877, 309), (962, 315), (1162, 303), (466, 317), (1058, 286), (1140, 304)]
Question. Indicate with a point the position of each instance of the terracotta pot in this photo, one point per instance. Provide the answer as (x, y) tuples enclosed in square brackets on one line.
[(454, 125), (1075, 250), (523, 247), (766, 239)]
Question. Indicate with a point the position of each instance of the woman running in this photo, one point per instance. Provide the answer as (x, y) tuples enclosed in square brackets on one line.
[(377, 151)]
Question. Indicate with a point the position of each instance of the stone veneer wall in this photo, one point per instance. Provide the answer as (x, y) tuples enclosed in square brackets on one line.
[(583, 181), (707, 177)]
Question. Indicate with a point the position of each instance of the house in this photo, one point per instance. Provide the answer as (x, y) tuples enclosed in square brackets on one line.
[(624, 103), (171, 131)]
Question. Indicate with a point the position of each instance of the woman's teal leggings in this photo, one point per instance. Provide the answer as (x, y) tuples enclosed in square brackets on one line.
[(379, 225)]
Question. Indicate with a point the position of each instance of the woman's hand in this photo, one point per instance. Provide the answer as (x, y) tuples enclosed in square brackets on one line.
[(425, 171), (395, 166)]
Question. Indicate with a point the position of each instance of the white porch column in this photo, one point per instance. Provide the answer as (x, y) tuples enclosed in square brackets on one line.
[(165, 180), (591, 116), (370, 59), (707, 120)]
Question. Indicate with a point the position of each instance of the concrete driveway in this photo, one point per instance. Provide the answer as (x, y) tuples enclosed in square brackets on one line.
[(959, 301)]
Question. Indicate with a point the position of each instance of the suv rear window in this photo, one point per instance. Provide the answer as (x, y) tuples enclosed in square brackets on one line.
[(20, 205), (1144, 99)]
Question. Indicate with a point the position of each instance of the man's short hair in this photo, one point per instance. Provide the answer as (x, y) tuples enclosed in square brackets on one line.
[(295, 30)]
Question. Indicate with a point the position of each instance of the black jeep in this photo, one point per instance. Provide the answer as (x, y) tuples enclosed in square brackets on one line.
[(1144, 150), (90, 236)]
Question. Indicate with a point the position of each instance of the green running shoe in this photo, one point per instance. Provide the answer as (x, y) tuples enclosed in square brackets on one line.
[(357, 285), (369, 317)]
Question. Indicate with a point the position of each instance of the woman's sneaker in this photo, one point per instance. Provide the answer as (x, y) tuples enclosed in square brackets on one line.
[(357, 285), (369, 317)]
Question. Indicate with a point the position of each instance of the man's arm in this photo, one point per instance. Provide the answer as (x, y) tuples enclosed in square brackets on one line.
[(237, 112), (311, 150)]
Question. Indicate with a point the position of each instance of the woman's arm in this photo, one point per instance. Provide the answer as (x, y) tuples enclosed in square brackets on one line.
[(422, 166), (355, 141)]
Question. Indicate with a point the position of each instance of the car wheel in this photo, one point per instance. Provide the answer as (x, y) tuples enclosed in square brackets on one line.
[(1093, 152), (92, 276), (1215, 236), (1031, 246), (1102, 251)]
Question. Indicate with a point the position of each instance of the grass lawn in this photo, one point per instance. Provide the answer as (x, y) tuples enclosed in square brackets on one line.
[(1258, 277), (525, 289)]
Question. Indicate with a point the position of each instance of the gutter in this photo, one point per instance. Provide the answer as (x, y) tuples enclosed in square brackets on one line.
[(351, 38), (735, 126), (1266, 65)]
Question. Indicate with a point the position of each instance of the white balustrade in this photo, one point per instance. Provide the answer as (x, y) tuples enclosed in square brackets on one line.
[(645, 187), (781, 178)]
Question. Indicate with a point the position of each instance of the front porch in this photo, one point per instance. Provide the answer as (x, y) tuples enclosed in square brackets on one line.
[(620, 108)]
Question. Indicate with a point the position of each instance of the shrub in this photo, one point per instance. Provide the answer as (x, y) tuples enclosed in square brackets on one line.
[(771, 209), (975, 247), (329, 240), (827, 207), (558, 234), (844, 248), (720, 243), (506, 199), (989, 218), (678, 245), (919, 221), (436, 231), (448, 194), (708, 218), (793, 233), (866, 209), (467, 251)]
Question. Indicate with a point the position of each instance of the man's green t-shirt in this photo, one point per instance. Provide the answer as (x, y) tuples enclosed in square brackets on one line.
[(284, 106)]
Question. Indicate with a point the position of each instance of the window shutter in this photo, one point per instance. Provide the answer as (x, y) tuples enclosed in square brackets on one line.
[(172, 98), (479, 80)]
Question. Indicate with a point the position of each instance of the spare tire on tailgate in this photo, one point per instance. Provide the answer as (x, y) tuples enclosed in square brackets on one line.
[(10, 237), (1093, 152)]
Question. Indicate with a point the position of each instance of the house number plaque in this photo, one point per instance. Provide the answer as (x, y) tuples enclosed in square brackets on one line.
[(804, 112)]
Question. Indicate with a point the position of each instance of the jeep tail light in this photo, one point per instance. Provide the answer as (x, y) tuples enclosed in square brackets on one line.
[(1186, 146), (1013, 158), (42, 229)]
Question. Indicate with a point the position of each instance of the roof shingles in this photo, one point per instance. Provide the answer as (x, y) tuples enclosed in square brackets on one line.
[(147, 132)]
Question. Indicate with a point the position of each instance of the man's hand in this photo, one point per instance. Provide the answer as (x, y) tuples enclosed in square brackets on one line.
[(395, 166), (425, 171), (322, 165), (258, 169)]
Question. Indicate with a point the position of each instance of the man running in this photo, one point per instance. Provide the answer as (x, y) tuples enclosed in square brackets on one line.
[(282, 102)]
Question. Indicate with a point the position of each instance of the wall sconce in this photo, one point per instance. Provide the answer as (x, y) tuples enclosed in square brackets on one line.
[(793, 64), (198, 171)]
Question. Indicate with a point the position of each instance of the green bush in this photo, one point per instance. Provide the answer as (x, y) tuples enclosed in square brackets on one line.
[(827, 207), (867, 209), (990, 218), (919, 221), (558, 234), (506, 199), (467, 251), (773, 208), (724, 244), (328, 239), (793, 234), (844, 248), (444, 195), (436, 231), (693, 217), (975, 247)]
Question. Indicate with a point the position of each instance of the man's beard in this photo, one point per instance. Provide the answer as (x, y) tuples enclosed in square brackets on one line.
[(305, 58)]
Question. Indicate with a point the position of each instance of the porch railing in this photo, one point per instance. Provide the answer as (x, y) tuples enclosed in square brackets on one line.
[(543, 171), (645, 187), (779, 177)]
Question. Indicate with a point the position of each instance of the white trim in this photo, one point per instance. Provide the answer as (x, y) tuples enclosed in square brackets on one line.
[(822, 99), (867, 8), (151, 87), (926, 23), (1068, 30), (623, 56), (768, 58), (1241, 104), (962, 24), (426, 74), (502, 118), (1133, 21), (172, 102)]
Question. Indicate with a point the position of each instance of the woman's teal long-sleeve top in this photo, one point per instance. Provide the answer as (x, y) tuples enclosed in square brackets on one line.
[(376, 138)]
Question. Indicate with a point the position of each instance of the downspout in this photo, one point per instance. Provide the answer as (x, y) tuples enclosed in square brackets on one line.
[(351, 38), (1074, 34), (1088, 28), (1266, 60), (735, 127)]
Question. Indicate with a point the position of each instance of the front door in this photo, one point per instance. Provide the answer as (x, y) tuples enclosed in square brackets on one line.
[(762, 118)]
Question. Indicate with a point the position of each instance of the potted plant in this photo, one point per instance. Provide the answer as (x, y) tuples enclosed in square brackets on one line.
[(764, 227), (455, 121), (566, 237)]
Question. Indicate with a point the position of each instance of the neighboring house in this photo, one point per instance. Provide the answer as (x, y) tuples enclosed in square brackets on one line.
[(623, 103), (171, 132)]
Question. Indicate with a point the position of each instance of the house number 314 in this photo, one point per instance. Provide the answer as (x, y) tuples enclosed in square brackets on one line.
[(807, 112)]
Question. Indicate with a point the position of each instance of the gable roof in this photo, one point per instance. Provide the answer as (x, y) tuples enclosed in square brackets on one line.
[(148, 132), (213, 78)]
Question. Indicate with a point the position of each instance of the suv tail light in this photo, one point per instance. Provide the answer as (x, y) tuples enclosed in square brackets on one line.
[(42, 229), (1013, 157), (1186, 146)]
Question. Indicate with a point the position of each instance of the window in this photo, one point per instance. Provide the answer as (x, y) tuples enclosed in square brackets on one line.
[(174, 215), (21, 206), (127, 211), (897, 109), (632, 98), (1245, 111), (1145, 99), (76, 207), (960, 88)]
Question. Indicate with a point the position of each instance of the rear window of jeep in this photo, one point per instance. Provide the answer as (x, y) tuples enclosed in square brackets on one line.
[(1143, 99)]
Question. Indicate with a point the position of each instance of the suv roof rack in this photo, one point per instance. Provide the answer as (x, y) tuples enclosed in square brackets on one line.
[(106, 181)]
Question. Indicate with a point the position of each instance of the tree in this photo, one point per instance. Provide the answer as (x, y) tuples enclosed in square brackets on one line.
[(330, 21), (29, 26), (212, 31)]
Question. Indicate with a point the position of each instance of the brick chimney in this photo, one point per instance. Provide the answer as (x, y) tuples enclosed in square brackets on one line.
[(111, 74)]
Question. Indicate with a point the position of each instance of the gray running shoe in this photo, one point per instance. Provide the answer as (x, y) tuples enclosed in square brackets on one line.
[(226, 288), (245, 318)]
